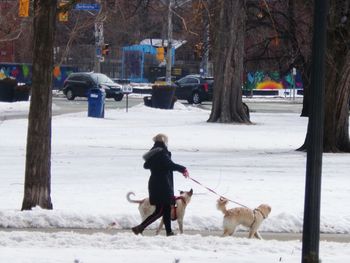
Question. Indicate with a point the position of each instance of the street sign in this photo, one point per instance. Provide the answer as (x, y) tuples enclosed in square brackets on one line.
[(98, 51), (90, 7), (127, 89)]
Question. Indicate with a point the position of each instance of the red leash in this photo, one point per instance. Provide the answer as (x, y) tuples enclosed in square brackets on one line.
[(211, 190)]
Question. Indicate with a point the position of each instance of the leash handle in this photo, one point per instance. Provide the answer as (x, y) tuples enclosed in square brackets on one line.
[(211, 190)]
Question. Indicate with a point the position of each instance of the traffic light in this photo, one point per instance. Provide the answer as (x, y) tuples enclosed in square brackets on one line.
[(63, 15), (105, 49), (23, 10), (198, 50), (160, 54)]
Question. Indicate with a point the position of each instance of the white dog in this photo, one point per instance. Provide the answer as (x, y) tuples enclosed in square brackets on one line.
[(243, 216), (177, 212)]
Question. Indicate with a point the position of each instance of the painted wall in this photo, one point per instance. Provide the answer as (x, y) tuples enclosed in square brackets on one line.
[(261, 80), (23, 73)]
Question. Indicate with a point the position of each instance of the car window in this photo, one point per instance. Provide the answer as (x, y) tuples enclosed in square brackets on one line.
[(181, 81), (76, 77), (192, 81), (87, 79), (101, 78)]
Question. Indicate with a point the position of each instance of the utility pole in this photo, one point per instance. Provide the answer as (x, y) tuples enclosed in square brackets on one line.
[(204, 70), (169, 46), (99, 40), (311, 226)]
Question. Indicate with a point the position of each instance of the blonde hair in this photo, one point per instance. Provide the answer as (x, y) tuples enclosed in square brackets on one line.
[(160, 137)]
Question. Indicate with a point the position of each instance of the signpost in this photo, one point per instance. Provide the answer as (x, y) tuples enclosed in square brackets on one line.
[(127, 89), (294, 72)]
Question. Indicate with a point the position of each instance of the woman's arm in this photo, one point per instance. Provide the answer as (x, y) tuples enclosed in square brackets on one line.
[(170, 165)]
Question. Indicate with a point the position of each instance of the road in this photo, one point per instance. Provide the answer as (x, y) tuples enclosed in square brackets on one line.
[(60, 105), (341, 238)]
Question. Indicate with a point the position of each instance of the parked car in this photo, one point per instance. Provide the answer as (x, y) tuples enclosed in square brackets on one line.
[(121, 81), (78, 85), (194, 88)]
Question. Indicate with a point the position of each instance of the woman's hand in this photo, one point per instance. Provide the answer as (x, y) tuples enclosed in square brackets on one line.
[(186, 173)]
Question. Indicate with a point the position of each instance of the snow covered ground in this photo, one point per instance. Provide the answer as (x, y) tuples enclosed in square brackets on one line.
[(95, 162)]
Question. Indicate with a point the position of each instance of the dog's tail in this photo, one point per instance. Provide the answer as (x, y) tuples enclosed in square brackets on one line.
[(132, 200), (221, 205)]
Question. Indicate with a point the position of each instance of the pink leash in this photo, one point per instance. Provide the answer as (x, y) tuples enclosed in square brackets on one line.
[(211, 190)]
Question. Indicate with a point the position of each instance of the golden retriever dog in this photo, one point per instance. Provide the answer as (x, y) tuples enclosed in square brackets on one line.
[(243, 216), (177, 211)]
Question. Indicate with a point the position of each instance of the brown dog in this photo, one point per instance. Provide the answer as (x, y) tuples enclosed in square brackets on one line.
[(243, 216), (177, 212)]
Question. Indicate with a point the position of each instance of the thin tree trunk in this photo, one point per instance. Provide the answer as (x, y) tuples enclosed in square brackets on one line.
[(228, 69), (37, 186)]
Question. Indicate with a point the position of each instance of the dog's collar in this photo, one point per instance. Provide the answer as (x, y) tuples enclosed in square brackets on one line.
[(257, 209), (254, 220), (180, 198)]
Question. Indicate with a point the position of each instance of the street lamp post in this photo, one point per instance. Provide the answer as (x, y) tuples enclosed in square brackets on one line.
[(311, 226), (169, 46)]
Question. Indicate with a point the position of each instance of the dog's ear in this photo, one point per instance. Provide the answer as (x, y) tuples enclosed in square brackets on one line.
[(181, 192), (191, 192)]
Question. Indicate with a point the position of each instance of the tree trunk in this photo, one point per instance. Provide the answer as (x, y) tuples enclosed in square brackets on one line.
[(337, 92), (336, 133), (228, 69), (37, 186)]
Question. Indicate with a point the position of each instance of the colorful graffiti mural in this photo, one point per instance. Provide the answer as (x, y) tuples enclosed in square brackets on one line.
[(261, 80), (23, 73)]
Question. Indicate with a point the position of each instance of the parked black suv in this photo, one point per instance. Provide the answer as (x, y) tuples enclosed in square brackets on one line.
[(78, 85), (194, 88)]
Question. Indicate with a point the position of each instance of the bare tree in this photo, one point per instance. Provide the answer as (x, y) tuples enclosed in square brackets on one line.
[(228, 66), (337, 92), (37, 186), (16, 32)]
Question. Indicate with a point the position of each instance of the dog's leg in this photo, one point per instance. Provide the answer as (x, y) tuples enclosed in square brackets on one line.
[(253, 231), (227, 232), (229, 227), (257, 235), (181, 225), (160, 227)]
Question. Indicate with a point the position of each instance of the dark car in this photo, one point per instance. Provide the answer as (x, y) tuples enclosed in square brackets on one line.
[(79, 84), (194, 88)]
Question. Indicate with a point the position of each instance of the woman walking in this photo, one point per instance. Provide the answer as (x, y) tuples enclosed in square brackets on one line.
[(161, 183)]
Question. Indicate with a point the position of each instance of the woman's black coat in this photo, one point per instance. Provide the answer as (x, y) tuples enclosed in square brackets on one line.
[(161, 184)]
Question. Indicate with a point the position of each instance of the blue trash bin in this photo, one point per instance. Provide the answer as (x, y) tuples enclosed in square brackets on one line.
[(96, 103)]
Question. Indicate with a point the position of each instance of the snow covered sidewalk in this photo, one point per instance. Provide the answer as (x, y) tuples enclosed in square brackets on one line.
[(95, 162)]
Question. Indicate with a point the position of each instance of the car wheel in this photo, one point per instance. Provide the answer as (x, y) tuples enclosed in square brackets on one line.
[(119, 97), (196, 99), (70, 95)]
